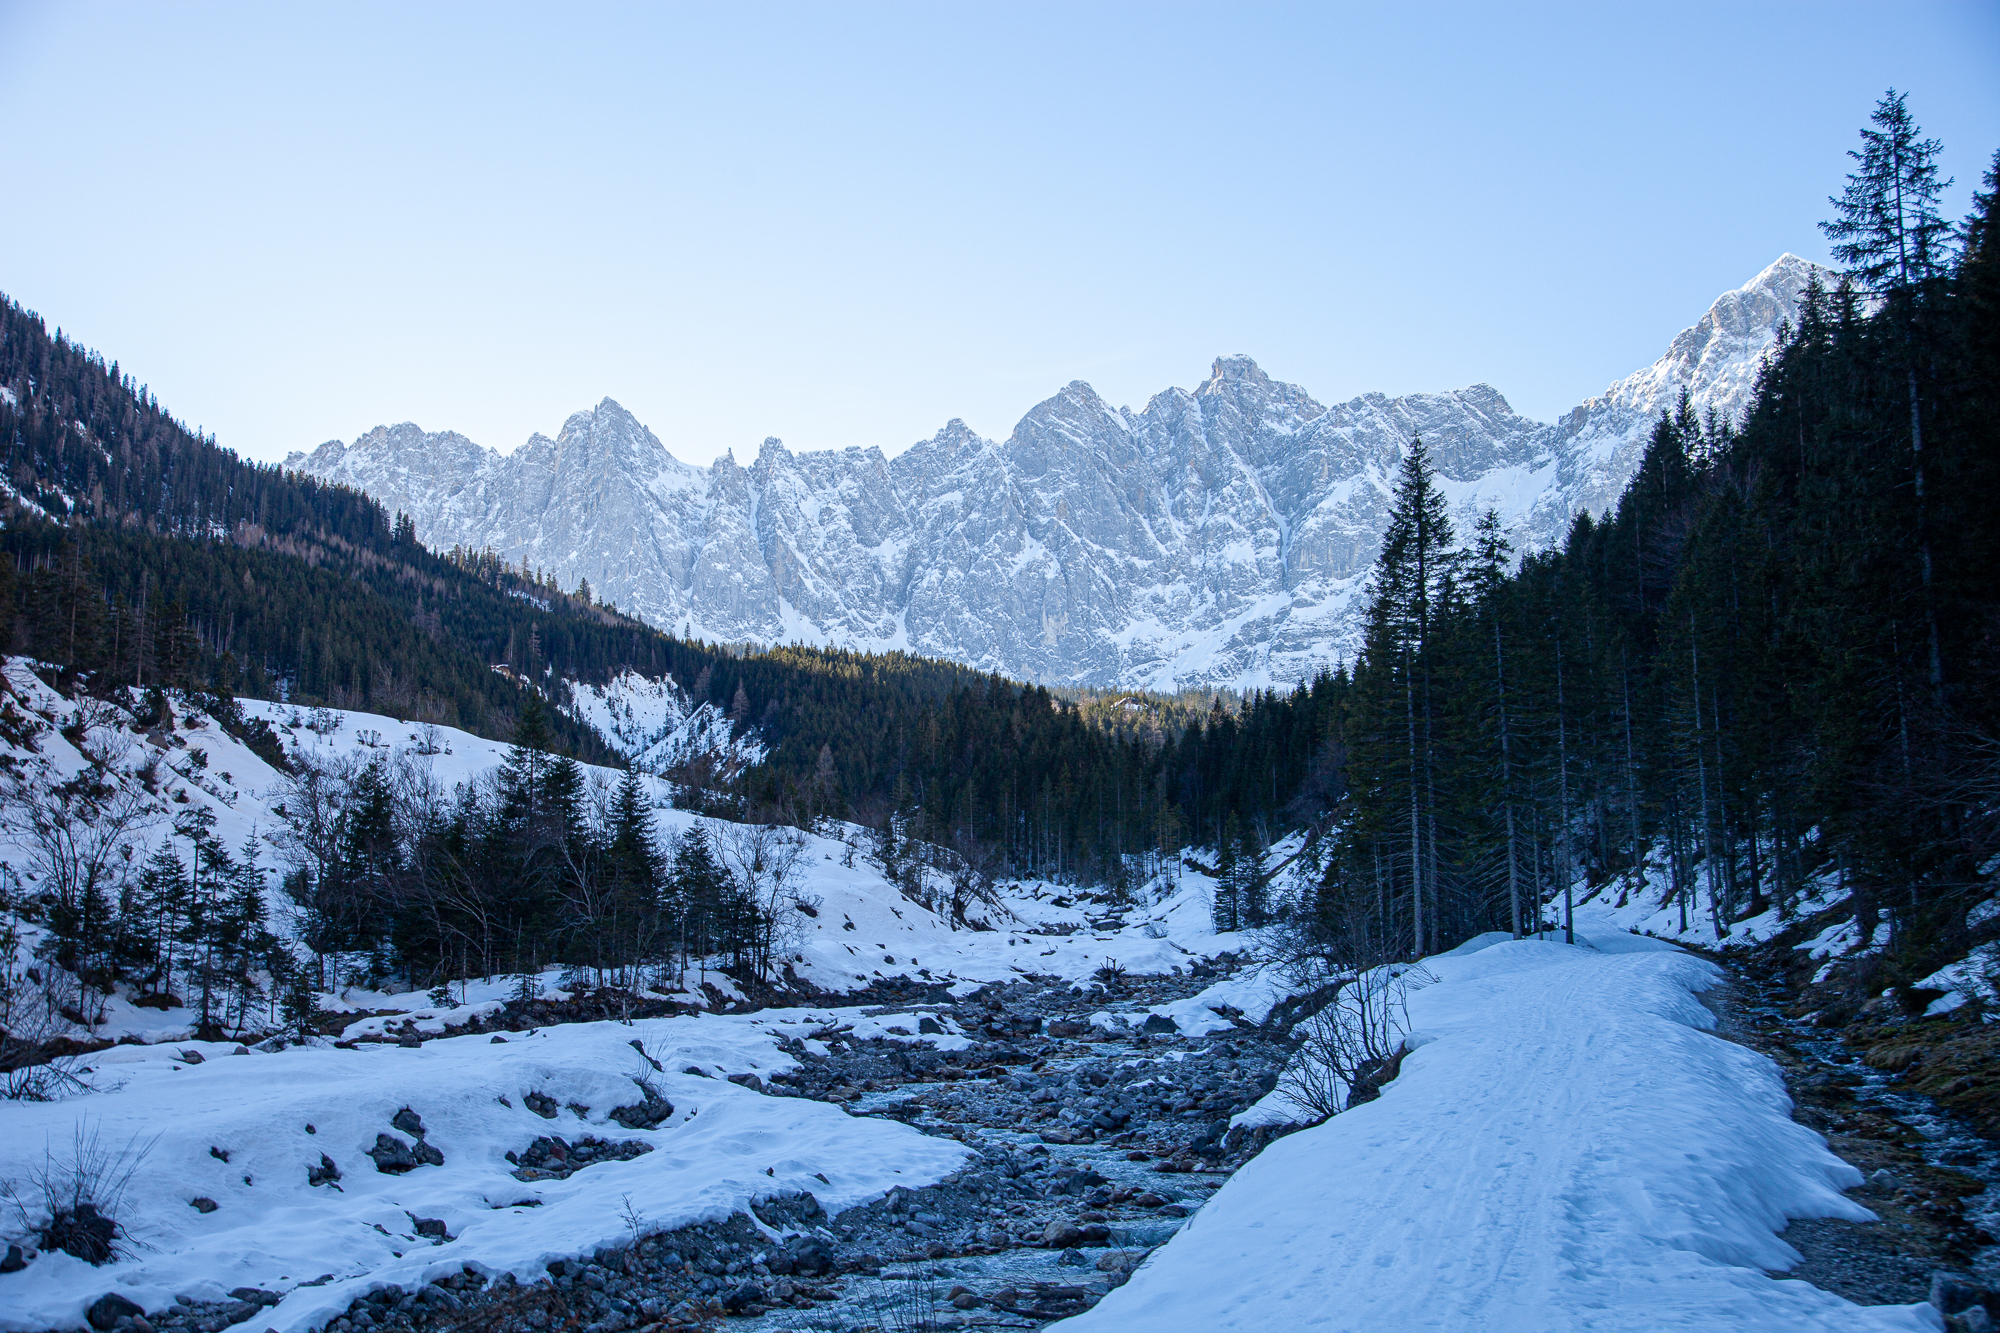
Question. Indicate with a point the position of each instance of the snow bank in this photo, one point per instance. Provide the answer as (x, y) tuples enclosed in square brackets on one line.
[(1970, 977), (269, 1117), (1566, 1148), (1650, 906), (867, 929), (1251, 994)]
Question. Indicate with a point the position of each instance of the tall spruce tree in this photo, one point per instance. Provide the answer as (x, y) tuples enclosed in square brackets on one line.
[(1893, 241), (1412, 582)]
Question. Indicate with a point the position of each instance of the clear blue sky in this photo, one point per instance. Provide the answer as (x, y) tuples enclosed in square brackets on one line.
[(846, 224)]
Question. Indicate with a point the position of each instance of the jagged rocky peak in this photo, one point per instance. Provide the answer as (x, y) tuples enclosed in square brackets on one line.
[(1483, 397), (1219, 536), (1237, 367)]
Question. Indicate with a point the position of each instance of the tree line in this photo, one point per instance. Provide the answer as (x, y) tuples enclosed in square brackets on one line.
[(386, 876), (1772, 667), (534, 867)]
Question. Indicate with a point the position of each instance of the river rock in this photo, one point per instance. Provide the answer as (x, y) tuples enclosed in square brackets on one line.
[(108, 1309)]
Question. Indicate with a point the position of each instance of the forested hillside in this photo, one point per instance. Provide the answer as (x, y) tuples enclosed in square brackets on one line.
[(1777, 659), (144, 554)]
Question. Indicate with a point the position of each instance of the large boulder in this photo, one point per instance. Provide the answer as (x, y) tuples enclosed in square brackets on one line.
[(392, 1155), (108, 1309)]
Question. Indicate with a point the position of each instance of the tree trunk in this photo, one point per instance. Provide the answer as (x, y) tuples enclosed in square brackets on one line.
[(1507, 781)]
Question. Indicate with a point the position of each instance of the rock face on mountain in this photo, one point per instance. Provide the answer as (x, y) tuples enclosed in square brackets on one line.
[(1217, 537)]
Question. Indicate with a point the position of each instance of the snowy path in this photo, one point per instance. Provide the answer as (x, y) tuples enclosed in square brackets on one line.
[(1567, 1149)]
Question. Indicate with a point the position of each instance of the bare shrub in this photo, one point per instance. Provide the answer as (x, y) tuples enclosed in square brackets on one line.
[(1347, 1049), (1350, 1013), (763, 859), (31, 1021), (909, 1305), (71, 1200), (97, 729)]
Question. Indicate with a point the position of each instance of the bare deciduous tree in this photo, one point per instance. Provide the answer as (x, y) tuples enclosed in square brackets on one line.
[(764, 861)]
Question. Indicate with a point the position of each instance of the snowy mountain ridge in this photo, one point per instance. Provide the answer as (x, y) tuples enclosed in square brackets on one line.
[(1218, 536)]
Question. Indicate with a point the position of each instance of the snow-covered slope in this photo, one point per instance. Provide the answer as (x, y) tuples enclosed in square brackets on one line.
[(160, 1101), (274, 1117), (860, 928), (1566, 1148), (656, 726), (1217, 536)]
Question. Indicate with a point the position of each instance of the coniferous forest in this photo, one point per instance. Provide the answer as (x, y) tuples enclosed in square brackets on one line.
[(1773, 662)]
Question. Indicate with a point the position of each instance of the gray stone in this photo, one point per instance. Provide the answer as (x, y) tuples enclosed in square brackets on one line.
[(649, 1113), (108, 1309), (813, 1256), (409, 1122), (1061, 1235), (1951, 1293), (392, 1155)]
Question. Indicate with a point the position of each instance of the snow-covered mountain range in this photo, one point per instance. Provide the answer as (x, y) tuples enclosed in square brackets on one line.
[(1220, 536)]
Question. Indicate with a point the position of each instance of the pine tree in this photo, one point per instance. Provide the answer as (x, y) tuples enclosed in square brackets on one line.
[(298, 995), (1889, 233), (166, 901), (245, 944), (1893, 241), (1490, 557), (208, 928), (700, 890), (369, 852), (1412, 577), (634, 858), (1227, 911)]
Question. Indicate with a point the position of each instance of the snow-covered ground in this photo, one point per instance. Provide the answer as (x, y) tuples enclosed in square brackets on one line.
[(1566, 1147), (244, 1131), (270, 1114), (865, 928)]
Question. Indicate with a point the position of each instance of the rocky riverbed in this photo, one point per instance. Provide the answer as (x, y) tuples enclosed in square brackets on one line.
[(1927, 1170), (1092, 1143), (1096, 1131)]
